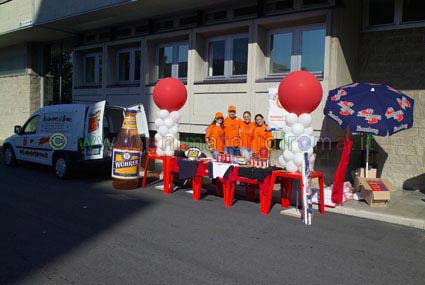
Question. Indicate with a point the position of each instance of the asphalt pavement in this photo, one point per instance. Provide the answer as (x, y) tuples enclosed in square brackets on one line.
[(83, 231)]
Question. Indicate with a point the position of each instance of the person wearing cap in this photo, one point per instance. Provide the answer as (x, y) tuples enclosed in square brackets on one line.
[(262, 136), (246, 133), (231, 132), (215, 135)]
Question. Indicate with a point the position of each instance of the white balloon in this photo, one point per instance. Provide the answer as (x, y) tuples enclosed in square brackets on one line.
[(308, 131), (289, 138), (160, 151), (163, 114), (305, 120), (286, 129), (291, 167), (297, 129), (305, 143), (169, 152), (294, 147), (159, 143), (176, 144), (291, 119), (298, 159), (169, 147), (167, 141), (175, 116), (158, 137), (174, 130), (163, 130), (159, 122), (281, 161), (288, 155), (310, 152), (168, 122)]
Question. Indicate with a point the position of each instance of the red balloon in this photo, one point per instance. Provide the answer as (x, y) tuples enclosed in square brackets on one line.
[(300, 92), (170, 94)]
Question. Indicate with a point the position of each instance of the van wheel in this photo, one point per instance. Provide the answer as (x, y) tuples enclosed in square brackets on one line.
[(9, 157), (61, 166)]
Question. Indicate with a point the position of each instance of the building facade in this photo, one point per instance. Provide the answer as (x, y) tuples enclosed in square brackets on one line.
[(228, 53)]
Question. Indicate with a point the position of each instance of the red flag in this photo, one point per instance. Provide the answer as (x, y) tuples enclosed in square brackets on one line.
[(339, 177)]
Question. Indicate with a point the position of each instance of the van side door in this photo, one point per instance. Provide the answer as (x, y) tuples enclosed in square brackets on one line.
[(28, 145), (93, 131)]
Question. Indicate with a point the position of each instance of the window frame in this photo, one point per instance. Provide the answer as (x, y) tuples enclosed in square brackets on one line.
[(228, 56), (175, 63), (132, 67), (296, 53), (96, 56), (397, 21)]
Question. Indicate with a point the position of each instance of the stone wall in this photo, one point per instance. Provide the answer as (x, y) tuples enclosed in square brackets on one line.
[(397, 58), (15, 102)]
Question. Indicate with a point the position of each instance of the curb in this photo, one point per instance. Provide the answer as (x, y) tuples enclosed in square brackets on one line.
[(413, 223)]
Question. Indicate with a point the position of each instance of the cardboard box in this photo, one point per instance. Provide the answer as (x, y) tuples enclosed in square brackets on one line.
[(373, 197), (361, 172)]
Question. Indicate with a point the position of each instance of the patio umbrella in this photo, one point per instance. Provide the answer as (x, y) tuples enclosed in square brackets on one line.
[(369, 108)]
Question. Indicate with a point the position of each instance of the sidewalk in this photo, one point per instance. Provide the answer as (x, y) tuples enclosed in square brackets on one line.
[(405, 208)]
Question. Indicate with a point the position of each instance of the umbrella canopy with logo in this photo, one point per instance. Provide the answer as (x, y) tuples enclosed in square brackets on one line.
[(369, 108)]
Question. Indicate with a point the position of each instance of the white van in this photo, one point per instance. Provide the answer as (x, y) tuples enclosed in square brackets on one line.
[(69, 135)]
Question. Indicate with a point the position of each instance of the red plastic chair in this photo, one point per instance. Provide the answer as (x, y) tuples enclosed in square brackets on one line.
[(286, 183)]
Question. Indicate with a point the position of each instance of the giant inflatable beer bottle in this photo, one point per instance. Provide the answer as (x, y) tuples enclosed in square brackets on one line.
[(126, 154)]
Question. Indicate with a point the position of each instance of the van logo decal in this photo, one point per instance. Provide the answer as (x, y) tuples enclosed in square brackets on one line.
[(58, 141), (94, 120), (43, 140)]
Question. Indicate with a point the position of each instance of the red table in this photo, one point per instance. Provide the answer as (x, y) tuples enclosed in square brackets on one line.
[(171, 168), (167, 167), (201, 170), (228, 185), (286, 183)]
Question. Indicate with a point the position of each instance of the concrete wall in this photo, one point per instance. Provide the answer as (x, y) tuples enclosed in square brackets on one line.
[(15, 14), (397, 58), (20, 89), (204, 99), (15, 102), (51, 10)]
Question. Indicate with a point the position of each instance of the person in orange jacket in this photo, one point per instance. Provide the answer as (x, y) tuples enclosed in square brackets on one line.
[(232, 138), (246, 134), (215, 135), (262, 136)]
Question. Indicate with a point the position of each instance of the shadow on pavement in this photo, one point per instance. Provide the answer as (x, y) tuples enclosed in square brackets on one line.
[(44, 218)]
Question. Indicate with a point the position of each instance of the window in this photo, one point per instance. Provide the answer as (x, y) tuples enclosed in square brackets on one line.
[(124, 66), (228, 56), (313, 50), (128, 62), (240, 56), (301, 48), (314, 2), (280, 52), (172, 60), (30, 126), (413, 10), (381, 12), (393, 13), (93, 68), (216, 58)]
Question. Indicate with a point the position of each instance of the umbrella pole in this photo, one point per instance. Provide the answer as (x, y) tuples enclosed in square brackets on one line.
[(367, 155)]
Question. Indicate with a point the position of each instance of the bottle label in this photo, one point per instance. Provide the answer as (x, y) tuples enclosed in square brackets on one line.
[(129, 123), (125, 164)]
